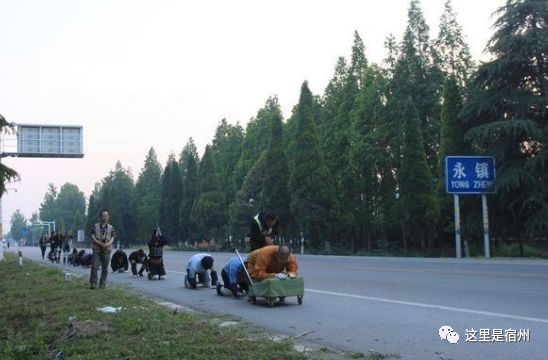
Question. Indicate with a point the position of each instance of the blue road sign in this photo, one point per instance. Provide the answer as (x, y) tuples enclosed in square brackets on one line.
[(469, 174)]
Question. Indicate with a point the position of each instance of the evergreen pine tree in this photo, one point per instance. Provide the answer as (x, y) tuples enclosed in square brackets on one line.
[(147, 197), (452, 51), (275, 194), (208, 211), (117, 191), (507, 109), (189, 169), (417, 191), (313, 194), (171, 196)]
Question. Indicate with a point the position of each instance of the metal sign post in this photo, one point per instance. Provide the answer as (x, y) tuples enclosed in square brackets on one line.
[(470, 175), (485, 215), (457, 226)]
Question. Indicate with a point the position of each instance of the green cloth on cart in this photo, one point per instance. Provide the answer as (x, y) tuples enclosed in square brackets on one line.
[(275, 287)]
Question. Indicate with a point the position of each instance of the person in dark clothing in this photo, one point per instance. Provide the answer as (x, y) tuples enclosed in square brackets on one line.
[(60, 242), (263, 227), (138, 257), (53, 243), (66, 246), (72, 257), (43, 245), (156, 255), (86, 259), (119, 262)]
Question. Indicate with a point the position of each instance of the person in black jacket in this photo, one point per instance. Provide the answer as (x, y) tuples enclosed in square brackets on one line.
[(53, 243), (263, 227), (156, 255), (138, 257), (119, 262), (43, 245), (73, 256)]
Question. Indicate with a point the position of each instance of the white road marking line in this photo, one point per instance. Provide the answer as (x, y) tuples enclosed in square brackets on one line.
[(430, 306), (176, 272)]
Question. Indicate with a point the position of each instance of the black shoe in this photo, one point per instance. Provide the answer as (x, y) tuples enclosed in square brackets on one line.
[(92, 287), (219, 286), (102, 286)]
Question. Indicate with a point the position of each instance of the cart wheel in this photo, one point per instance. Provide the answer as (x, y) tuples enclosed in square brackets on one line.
[(254, 300), (300, 299), (270, 302)]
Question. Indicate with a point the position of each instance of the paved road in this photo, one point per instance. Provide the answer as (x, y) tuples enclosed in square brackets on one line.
[(390, 305)]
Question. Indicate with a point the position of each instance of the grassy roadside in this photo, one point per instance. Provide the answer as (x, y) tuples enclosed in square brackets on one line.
[(41, 314)]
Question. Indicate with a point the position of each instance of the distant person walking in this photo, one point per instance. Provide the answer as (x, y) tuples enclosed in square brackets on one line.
[(43, 245), (102, 237)]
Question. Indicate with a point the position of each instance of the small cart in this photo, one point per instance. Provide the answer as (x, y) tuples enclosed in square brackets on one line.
[(273, 288)]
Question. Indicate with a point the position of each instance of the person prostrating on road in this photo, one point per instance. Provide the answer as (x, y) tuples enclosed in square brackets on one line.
[(200, 265), (272, 261)]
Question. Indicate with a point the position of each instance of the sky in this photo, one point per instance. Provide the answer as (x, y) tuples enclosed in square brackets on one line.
[(138, 74)]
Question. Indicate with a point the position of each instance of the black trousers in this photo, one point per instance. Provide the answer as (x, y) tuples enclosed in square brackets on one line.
[(134, 267)]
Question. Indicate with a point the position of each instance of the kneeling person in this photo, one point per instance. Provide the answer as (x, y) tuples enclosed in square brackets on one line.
[(235, 280), (119, 262), (138, 257), (200, 265), (272, 261), (155, 261)]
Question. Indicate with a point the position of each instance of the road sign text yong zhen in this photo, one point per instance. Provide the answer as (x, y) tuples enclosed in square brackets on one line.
[(469, 174)]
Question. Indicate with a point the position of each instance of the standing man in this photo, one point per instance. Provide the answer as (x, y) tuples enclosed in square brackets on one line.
[(102, 238), (262, 228), (43, 245), (66, 246)]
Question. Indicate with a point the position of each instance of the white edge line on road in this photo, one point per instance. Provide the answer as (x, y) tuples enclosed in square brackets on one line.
[(430, 306), (422, 305)]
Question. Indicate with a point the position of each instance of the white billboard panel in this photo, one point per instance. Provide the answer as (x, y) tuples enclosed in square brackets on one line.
[(49, 141)]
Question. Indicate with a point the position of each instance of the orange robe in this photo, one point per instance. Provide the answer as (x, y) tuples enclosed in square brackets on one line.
[(263, 263)]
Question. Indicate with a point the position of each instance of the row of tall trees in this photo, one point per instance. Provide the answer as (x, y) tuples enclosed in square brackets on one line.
[(359, 167), (66, 206)]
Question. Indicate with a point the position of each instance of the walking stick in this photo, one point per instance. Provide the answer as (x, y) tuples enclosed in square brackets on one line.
[(245, 269)]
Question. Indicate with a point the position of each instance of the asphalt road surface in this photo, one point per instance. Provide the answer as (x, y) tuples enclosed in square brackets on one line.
[(390, 305)]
